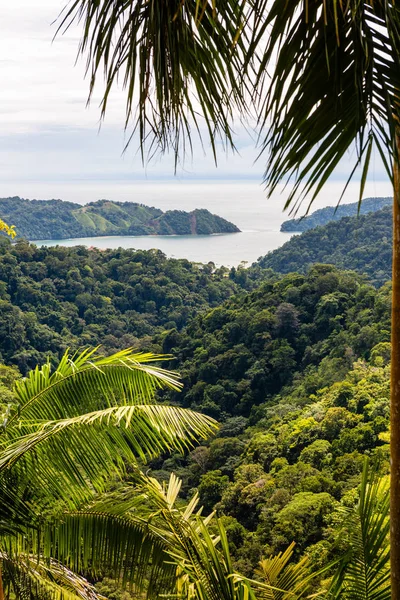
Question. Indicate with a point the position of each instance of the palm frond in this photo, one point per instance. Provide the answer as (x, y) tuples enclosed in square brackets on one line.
[(364, 571), (203, 564), (79, 454), (334, 83), (31, 578), (86, 381), (178, 63), (284, 580)]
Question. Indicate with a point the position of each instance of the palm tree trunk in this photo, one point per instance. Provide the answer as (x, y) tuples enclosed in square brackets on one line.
[(1, 582), (395, 390)]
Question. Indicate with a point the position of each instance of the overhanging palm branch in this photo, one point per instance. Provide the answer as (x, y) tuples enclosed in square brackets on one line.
[(334, 82), (364, 572), (80, 454), (76, 454), (176, 60), (86, 382), (32, 578)]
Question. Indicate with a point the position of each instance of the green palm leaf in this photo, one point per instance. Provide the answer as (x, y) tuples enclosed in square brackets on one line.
[(81, 453), (174, 59), (334, 81), (86, 381), (74, 455), (284, 580), (364, 572), (72, 458)]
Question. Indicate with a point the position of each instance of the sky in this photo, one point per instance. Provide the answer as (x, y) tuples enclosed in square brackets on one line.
[(49, 135), (47, 131)]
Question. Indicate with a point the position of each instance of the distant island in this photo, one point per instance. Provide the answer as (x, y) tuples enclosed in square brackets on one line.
[(57, 219), (332, 213)]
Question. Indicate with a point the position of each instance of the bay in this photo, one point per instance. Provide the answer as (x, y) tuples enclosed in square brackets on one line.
[(244, 203)]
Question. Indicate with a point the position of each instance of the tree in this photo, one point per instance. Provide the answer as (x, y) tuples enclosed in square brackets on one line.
[(334, 84), (70, 431), (193, 560)]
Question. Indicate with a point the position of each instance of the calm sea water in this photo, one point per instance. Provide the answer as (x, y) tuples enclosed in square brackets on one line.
[(244, 203)]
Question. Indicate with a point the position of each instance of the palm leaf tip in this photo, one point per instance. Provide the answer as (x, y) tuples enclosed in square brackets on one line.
[(93, 381)]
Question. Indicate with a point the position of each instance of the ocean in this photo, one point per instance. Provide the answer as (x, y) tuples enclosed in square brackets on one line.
[(244, 203)]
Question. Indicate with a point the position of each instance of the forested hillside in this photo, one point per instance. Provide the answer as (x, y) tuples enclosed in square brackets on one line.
[(335, 213), (302, 330), (362, 244), (56, 219), (297, 374), (294, 367), (53, 298)]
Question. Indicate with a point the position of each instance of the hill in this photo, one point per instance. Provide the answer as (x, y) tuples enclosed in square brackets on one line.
[(295, 370), (296, 373), (53, 298), (56, 219), (362, 244), (332, 213)]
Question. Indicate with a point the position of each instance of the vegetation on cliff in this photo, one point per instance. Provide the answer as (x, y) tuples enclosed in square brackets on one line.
[(361, 244), (335, 213), (56, 219)]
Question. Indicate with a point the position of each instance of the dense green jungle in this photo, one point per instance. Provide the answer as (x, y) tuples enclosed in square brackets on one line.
[(294, 366)]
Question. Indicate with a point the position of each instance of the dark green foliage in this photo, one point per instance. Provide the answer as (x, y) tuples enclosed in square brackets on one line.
[(55, 219), (362, 244), (293, 335), (295, 370), (52, 298), (323, 216)]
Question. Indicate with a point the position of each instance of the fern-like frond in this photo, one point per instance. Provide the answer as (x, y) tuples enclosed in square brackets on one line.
[(86, 381), (78, 455), (364, 572)]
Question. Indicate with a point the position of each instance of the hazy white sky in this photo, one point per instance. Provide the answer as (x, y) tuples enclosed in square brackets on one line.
[(46, 132)]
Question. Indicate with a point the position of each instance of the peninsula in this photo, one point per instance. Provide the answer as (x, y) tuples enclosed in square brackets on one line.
[(57, 219), (323, 216)]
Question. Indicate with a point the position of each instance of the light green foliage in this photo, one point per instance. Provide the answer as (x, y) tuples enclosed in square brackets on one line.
[(211, 488), (302, 519), (71, 432), (299, 461)]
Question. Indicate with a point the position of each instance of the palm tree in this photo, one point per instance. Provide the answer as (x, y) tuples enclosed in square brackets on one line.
[(189, 557), (72, 430), (364, 570), (325, 79)]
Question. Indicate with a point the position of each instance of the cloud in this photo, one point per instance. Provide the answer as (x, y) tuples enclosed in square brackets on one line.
[(48, 134)]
